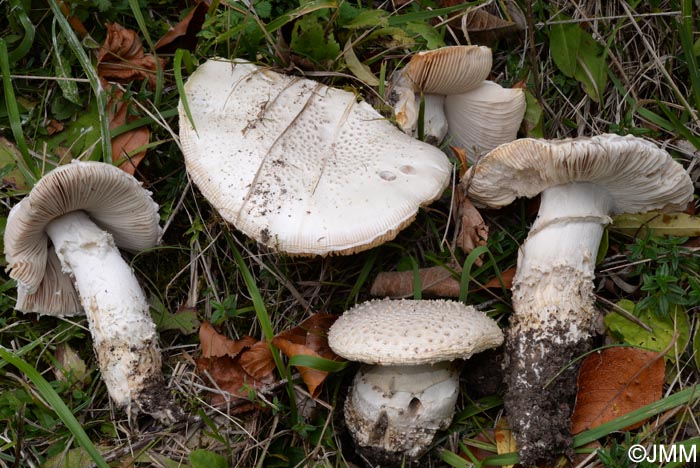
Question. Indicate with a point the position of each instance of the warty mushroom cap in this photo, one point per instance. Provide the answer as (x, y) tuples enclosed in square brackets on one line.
[(113, 199), (485, 117), (301, 167), (409, 332), (449, 70), (638, 175)]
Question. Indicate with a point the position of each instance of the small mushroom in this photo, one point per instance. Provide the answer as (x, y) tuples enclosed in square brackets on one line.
[(408, 388), (484, 118), (478, 115), (87, 210), (583, 182), (302, 168), (433, 75)]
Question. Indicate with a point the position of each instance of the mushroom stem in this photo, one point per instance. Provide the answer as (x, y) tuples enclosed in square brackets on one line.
[(123, 332), (553, 315), (394, 411)]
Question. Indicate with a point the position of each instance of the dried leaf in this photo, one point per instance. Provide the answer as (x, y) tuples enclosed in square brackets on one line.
[(615, 382), (259, 363), (317, 327), (184, 34), (481, 26), (657, 224), (310, 338), (215, 344), (235, 366), (75, 23), (228, 375), (505, 442), (128, 146), (121, 57), (473, 231), (507, 277), (478, 445), (461, 155), (435, 281), (70, 367), (53, 126)]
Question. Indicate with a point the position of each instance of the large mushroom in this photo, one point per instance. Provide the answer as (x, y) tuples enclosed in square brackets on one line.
[(583, 182), (408, 387), (87, 210), (302, 168)]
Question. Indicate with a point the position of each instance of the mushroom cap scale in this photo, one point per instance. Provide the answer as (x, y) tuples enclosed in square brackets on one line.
[(407, 332), (113, 199), (301, 167), (449, 70), (638, 175)]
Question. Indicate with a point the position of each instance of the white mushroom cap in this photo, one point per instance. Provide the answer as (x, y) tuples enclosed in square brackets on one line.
[(638, 175), (112, 198), (449, 70), (301, 167), (407, 332), (485, 117)]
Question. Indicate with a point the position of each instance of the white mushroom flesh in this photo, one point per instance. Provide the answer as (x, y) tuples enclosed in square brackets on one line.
[(398, 409), (485, 117), (557, 263), (123, 332), (434, 119)]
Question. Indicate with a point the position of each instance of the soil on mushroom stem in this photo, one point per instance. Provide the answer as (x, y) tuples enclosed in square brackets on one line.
[(551, 406)]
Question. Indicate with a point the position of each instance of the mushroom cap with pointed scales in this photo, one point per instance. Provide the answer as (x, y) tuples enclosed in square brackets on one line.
[(408, 332), (113, 199), (638, 175), (449, 70), (302, 168)]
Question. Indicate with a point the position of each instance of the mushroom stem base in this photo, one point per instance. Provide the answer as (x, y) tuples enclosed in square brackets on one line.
[(539, 377), (394, 412), (124, 335)]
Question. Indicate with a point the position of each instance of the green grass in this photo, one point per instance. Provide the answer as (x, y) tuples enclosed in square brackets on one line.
[(643, 58)]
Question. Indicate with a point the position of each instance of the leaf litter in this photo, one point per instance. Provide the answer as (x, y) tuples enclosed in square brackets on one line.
[(237, 366), (615, 382)]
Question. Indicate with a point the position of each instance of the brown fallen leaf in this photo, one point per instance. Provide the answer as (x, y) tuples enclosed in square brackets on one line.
[(614, 382), (476, 445), (73, 20), (124, 144), (121, 58), (53, 126), (473, 231), (235, 366), (506, 275), (258, 362), (435, 281), (310, 338), (505, 442), (461, 155), (480, 25), (184, 34), (215, 344)]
